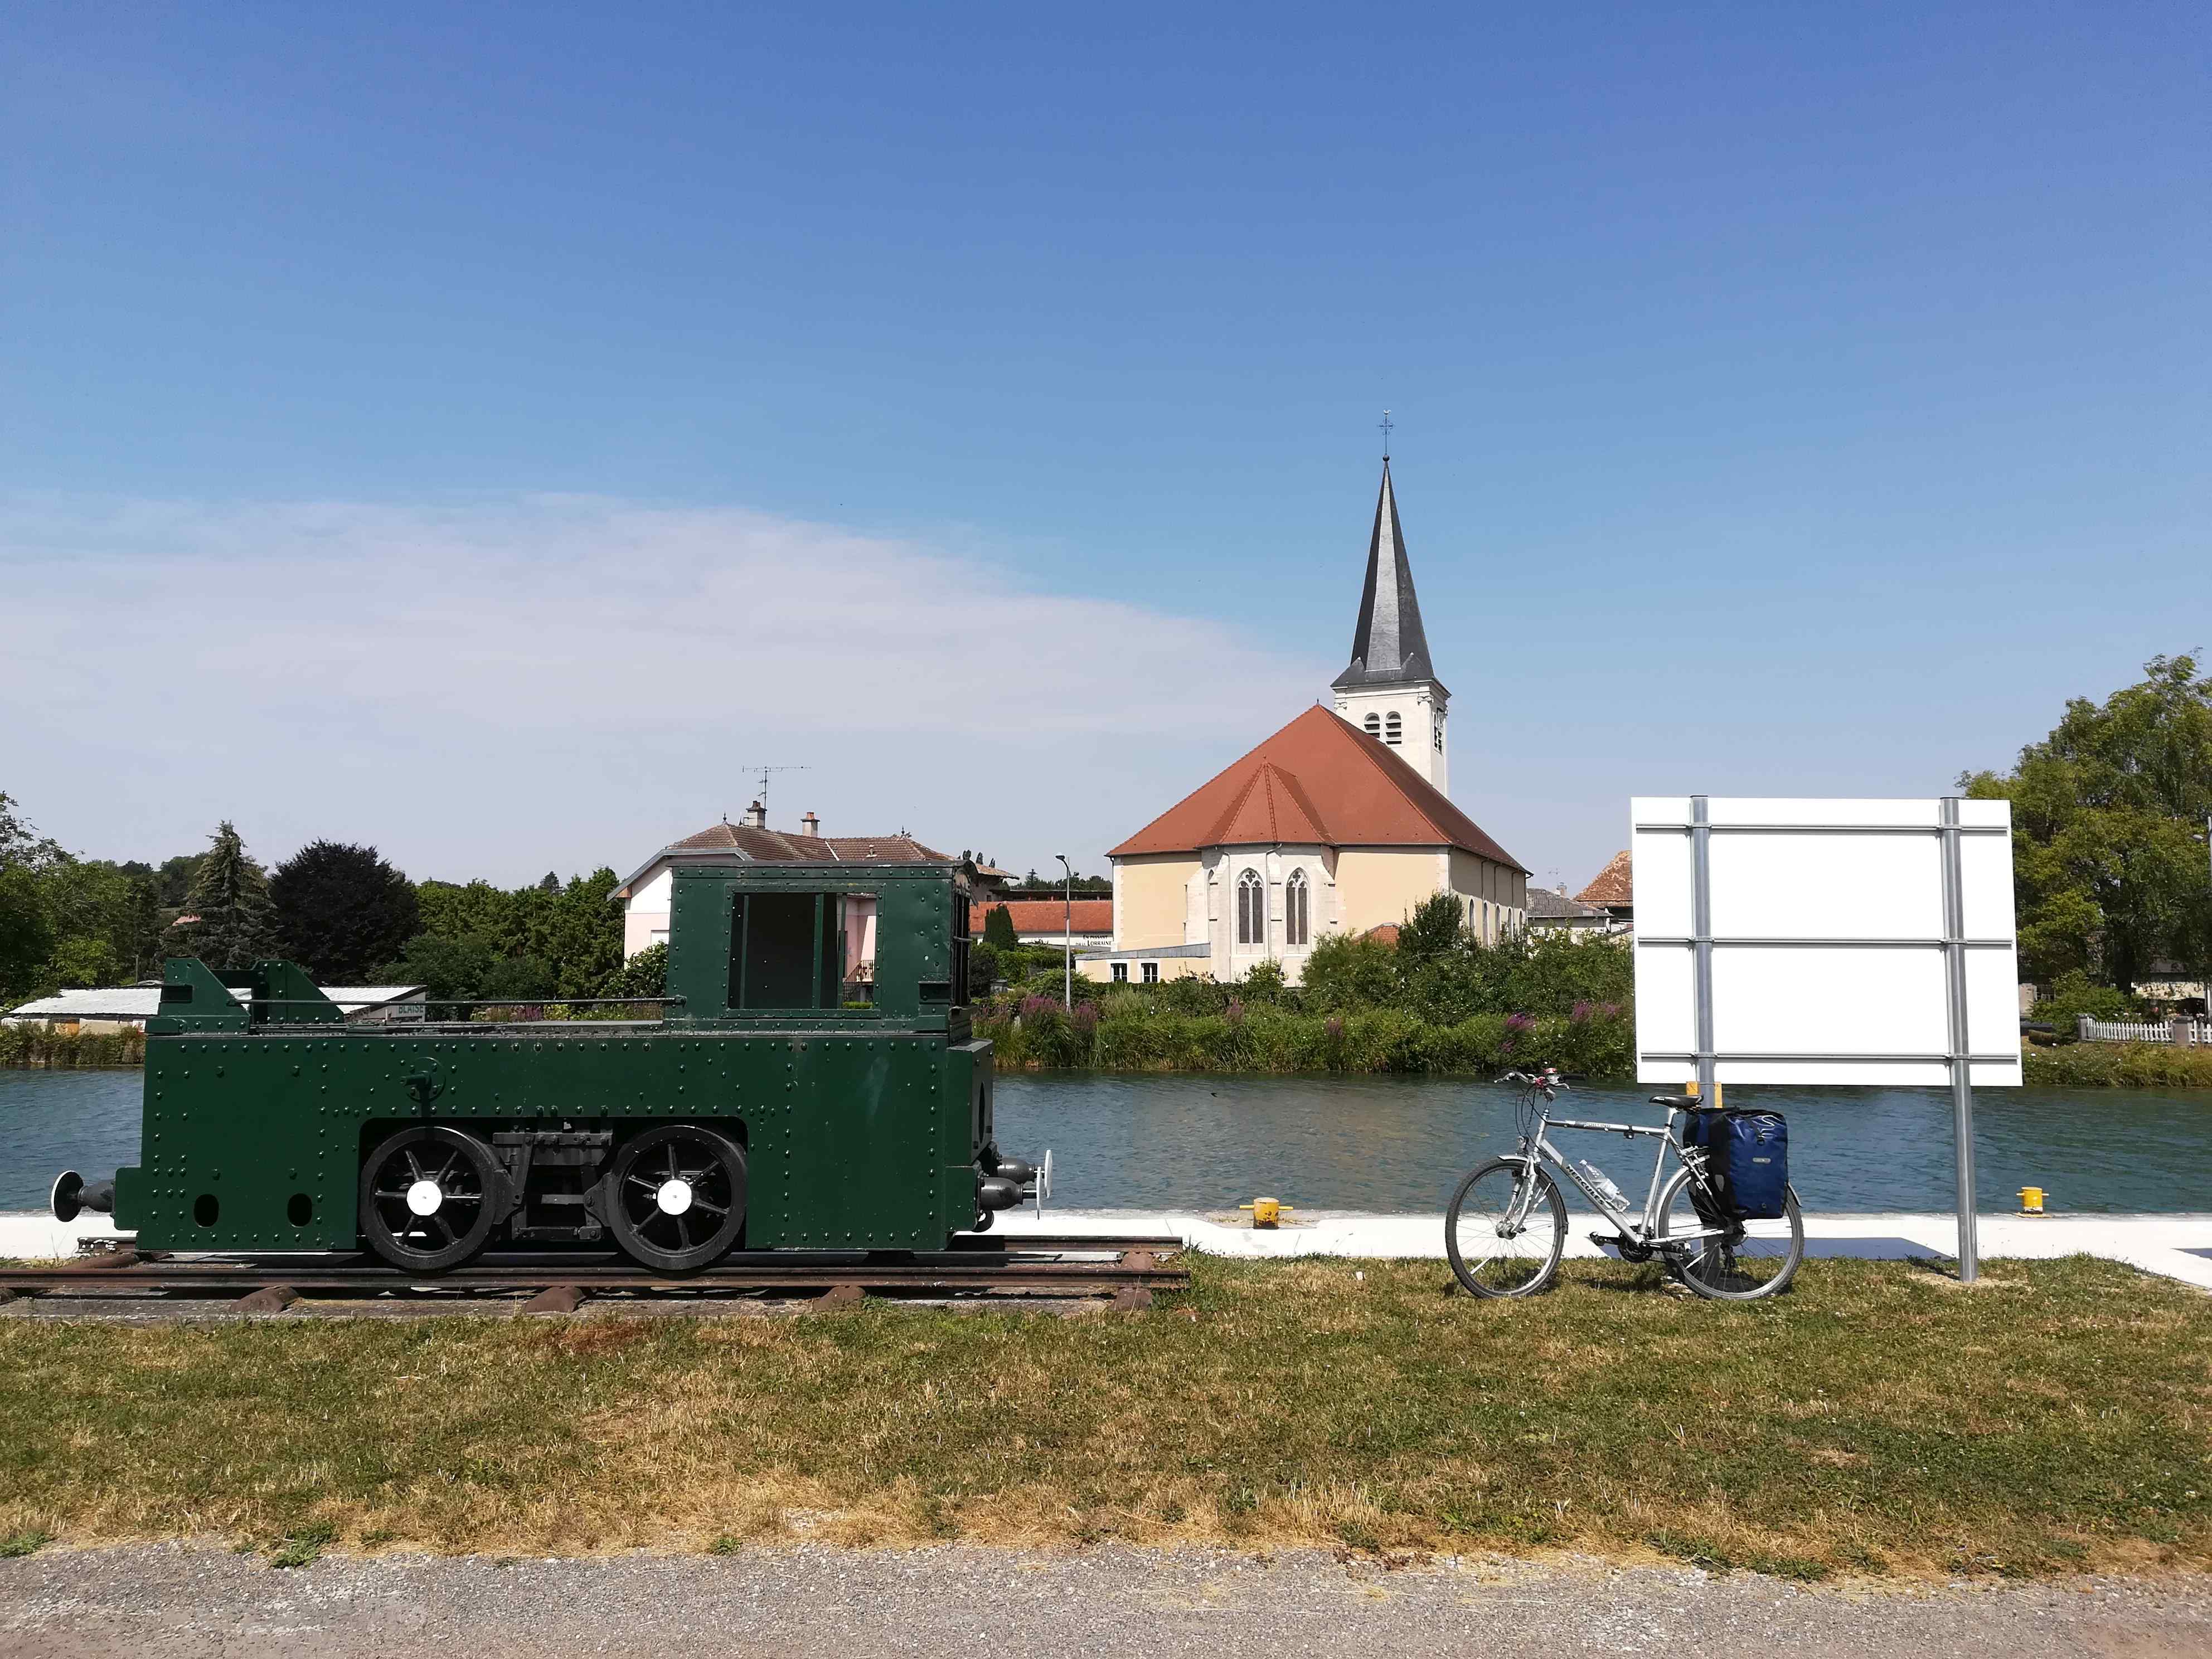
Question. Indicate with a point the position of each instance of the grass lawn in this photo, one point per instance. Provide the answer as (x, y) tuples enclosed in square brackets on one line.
[(1878, 1419)]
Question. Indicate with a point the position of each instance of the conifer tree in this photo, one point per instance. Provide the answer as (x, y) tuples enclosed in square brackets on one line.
[(230, 896)]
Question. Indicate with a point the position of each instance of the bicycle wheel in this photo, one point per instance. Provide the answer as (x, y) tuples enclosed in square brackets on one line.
[(1492, 1258), (1755, 1258)]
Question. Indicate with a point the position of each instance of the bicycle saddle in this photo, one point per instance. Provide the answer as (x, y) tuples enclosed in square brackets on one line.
[(1679, 1102)]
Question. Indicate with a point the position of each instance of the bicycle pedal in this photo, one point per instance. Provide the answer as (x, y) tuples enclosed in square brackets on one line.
[(1612, 1242)]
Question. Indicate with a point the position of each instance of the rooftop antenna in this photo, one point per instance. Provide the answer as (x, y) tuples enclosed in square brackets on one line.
[(764, 771), (1386, 434)]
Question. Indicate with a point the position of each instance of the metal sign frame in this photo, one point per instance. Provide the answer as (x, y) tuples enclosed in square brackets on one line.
[(1957, 1057)]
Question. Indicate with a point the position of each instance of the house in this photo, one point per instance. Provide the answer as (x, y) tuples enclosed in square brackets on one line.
[(1612, 891), (989, 879), (1551, 911), (1047, 922), (1337, 823), (646, 895), (129, 1007)]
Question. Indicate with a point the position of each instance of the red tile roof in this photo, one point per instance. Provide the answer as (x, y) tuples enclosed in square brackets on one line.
[(1277, 793), (1614, 885), (1091, 915)]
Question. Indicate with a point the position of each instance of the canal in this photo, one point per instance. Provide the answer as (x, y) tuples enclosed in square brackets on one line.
[(1397, 1144)]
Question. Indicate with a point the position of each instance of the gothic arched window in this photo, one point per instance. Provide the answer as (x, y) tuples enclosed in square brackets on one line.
[(1251, 908), (1294, 908), (1393, 731), (1374, 725)]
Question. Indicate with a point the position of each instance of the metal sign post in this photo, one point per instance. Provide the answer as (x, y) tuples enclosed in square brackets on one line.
[(1701, 942), (1962, 1071)]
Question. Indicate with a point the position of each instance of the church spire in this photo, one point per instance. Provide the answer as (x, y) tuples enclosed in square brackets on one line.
[(1390, 647)]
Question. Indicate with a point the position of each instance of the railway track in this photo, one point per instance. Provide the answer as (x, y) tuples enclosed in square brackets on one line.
[(1128, 1271)]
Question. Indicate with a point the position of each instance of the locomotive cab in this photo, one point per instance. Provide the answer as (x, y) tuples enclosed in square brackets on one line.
[(809, 1083)]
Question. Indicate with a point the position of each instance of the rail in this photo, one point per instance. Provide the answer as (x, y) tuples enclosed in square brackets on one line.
[(1127, 1269)]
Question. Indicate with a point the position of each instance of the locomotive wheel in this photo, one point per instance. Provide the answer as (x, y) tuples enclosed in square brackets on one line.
[(429, 1198), (677, 1197)]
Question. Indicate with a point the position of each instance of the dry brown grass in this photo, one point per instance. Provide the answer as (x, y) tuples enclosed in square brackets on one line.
[(1869, 1422)]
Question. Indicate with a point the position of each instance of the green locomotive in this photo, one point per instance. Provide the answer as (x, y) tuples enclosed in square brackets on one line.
[(812, 1084)]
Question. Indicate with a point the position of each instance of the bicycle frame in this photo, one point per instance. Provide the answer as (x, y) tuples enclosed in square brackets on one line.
[(1537, 1150)]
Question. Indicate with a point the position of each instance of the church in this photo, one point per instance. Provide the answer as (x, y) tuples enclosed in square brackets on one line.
[(1340, 822)]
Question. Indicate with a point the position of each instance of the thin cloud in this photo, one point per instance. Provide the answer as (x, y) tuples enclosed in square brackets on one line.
[(443, 651)]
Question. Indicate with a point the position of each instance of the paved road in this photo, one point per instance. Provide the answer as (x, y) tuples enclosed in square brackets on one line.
[(149, 1601)]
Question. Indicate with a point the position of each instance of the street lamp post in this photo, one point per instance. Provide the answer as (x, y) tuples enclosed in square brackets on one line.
[(1067, 926)]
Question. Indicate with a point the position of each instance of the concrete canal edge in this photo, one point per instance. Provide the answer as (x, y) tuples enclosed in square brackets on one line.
[(2177, 1247)]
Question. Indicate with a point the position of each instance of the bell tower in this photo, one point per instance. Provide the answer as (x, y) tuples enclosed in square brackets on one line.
[(1389, 690)]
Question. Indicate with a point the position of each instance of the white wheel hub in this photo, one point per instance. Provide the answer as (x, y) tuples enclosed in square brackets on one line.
[(424, 1197), (674, 1196)]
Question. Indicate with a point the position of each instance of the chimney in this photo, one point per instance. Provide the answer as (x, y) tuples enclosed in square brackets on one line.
[(810, 825), (756, 816)]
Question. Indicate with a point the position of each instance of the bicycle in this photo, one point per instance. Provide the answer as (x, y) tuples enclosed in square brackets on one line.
[(1507, 1226)]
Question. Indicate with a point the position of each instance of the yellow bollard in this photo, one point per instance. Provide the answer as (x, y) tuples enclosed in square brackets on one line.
[(2031, 1200), (1266, 1212)]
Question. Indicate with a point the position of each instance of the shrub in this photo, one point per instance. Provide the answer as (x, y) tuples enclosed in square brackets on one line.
[(2074, 995), (2118, 1065), (1348, 971), (31, 1045), (1265, 983)]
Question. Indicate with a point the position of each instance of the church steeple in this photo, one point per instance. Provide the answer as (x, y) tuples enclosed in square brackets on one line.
[(1388, 647), (1390, 690)]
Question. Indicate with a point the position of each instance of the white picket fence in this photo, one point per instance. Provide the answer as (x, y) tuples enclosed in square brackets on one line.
[(2196, 1033)]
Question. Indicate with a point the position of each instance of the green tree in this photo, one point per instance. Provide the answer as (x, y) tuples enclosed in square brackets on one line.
[(85, 963), (998, 929), (27, 937), (172, 879), (576, 931), (645, 974), (105, 925), (982, 967), (2109, 859), (452, 969), (230, 897), (1348, 970), (22, 847), (519, 979), (341, 910), (1438, 927)]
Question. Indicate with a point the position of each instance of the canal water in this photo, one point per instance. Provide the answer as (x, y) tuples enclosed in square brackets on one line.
[(1400, 1144)]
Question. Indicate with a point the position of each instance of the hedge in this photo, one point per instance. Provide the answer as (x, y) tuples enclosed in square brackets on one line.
[(38, 1045), (1039, 1032)]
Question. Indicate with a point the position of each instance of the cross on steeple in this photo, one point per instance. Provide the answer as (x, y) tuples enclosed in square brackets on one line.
[(1386, 434)]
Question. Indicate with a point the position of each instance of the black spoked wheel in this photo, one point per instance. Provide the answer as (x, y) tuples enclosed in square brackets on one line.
[(1504, 1238), (678, 1197), (1740, 1262), (429, 1197)]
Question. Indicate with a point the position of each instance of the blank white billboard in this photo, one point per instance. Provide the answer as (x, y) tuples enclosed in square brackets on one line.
[(1828, 941)]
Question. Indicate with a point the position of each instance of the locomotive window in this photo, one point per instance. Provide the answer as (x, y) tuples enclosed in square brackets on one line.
[(786, 950)]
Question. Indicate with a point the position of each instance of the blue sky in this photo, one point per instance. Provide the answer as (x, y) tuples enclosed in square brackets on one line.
[(480, 429)]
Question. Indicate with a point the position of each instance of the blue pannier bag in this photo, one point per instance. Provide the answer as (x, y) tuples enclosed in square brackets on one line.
[(1750, 1152)]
